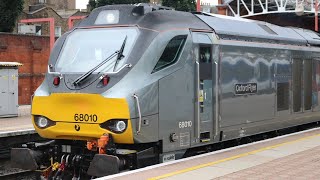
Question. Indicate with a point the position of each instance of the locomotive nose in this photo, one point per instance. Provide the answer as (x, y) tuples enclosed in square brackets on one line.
[(79, 116)]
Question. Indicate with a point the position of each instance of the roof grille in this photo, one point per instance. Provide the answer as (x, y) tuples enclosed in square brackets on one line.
[(267, 29)]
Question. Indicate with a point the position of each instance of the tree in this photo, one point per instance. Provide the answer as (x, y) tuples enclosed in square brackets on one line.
[(9, 12), (92, 4), (180, 5)]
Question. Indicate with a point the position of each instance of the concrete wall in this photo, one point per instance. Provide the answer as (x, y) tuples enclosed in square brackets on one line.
[(33, 52)]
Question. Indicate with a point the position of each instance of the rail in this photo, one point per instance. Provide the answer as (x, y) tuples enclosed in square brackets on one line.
[(18, 174), (116, 72), (53, 73)]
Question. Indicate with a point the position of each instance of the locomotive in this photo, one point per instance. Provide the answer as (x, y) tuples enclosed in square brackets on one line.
[(135, 85)]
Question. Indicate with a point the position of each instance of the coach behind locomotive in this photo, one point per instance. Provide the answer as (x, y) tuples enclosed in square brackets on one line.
[(135, 85)]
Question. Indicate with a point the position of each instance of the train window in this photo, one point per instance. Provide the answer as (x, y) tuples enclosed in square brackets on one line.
[(202, 38), (282, 96), (171, 53), (205, 54)]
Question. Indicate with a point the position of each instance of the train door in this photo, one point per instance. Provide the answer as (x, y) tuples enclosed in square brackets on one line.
[(204, 86), (301, 85)]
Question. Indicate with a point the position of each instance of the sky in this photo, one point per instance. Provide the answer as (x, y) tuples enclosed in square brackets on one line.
[(81, 4)]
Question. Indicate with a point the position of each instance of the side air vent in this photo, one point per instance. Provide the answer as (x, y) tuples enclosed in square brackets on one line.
[(267, 29)]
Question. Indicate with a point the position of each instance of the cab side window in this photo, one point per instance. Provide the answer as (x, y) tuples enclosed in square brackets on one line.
[(171, 53)]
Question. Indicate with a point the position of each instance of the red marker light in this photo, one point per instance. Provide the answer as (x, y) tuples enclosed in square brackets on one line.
[(105, 80), (56, 81)]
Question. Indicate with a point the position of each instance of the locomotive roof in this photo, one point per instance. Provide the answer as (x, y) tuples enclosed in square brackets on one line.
[(156, 18), (225, 25)]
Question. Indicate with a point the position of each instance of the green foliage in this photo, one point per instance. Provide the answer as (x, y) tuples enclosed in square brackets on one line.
[(92, 4), (9, 12), (180, 5)]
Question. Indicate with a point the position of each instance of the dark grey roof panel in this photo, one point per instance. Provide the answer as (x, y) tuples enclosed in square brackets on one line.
[(312, 37), (250, 28), (159, 20)]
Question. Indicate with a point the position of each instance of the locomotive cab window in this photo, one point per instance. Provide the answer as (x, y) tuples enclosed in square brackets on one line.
[(171, 53), (86, 48)]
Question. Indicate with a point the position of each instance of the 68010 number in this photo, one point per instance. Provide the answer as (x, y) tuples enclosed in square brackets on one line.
[(85, 117)]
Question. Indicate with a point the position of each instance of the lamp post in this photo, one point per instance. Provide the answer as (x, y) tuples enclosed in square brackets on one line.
[(70, 20), (198, 6)]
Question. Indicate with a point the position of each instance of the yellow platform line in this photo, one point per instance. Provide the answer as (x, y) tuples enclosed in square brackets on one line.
[(231, 158)]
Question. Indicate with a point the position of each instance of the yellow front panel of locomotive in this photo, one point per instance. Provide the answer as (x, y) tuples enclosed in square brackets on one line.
[(66, 108)]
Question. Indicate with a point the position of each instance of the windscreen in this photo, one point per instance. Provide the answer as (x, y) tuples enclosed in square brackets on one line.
[(86, 48)]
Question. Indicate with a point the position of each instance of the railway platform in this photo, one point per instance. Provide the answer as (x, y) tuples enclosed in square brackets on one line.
[(15, 126), (292, 156)]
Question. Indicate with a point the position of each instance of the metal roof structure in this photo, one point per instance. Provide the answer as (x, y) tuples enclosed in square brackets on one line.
[(247, 8)]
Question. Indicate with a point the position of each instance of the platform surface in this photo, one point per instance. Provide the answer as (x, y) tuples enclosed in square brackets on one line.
[(21, 125), (293, 156)]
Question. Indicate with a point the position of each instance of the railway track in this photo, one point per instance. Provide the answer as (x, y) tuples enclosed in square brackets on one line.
[(13, 174), (8, 173), (6, 143)]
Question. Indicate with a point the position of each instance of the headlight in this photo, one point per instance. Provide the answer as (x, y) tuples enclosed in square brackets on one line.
[(115, 125), (120, 126), (43, 122)]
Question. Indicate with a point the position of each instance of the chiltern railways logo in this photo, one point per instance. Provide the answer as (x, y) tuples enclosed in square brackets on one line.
[(248, 88), (77, 127)]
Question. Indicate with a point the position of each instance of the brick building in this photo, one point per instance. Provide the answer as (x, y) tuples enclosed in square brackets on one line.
[(60, 10), (55, 4), (33, 52)]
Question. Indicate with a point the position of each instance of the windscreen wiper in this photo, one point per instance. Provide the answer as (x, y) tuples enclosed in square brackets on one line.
[(87, 74), (120, 53)]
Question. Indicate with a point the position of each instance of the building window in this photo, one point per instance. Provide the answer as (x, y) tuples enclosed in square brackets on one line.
[(57, 31), (26, 29), (38, 30), (171, 53), (42, 1)]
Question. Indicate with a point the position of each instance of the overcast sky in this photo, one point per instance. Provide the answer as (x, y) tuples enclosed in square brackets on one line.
[(81, 4)]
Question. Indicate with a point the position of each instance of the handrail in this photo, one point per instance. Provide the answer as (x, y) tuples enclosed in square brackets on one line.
[(197, 103), (108, 73), (216, 120), (139, 111), (54, 73), (116, 72)]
